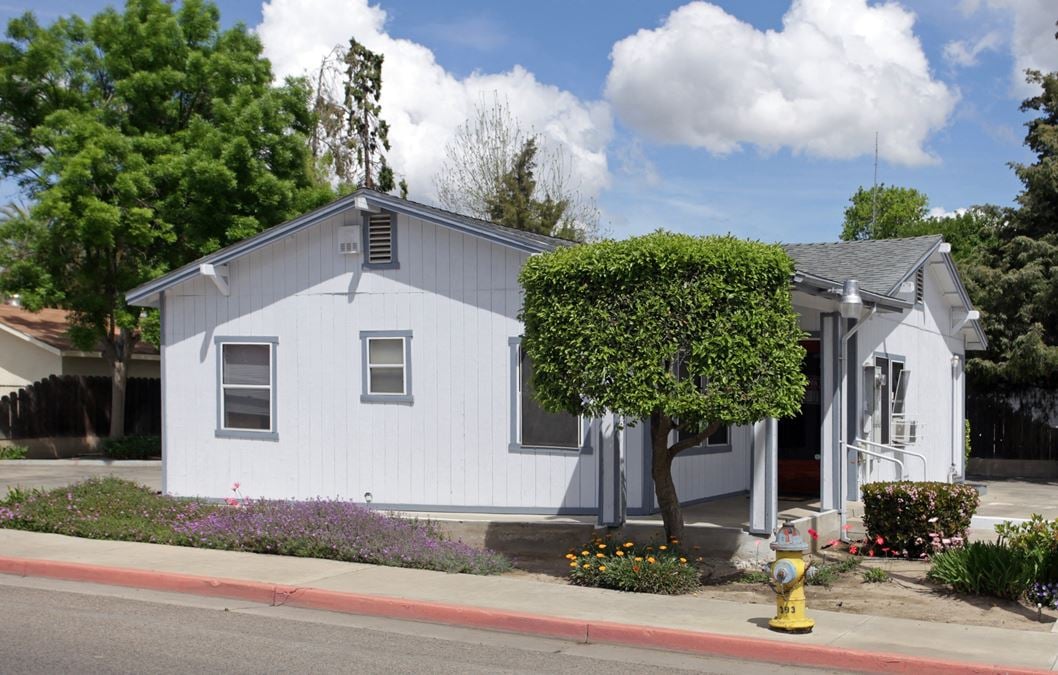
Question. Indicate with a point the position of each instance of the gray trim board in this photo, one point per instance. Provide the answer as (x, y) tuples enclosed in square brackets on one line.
[(407, 397), (161, 375), (523, 510), (835, 413), (247, 434), (648, 468)]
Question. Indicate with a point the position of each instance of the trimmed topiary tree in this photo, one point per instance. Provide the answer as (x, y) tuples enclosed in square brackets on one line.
[(688, 333)]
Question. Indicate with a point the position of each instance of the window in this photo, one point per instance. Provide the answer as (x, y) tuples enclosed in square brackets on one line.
[(719, 438), (386, 366), (246, 405), (533, 426), (380, 240)]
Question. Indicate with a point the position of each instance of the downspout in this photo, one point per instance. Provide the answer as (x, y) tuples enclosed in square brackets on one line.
[(846, 313), (957, 432)]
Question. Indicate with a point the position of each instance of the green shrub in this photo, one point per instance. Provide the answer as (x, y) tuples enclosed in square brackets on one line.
[(875, 575), (827, 573), (13, 452), (662, 569), (1037, 538), (984, 568), (752, 577), (133, 447), (916, 519)]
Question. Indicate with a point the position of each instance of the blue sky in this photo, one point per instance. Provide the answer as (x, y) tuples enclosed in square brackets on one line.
[(672, 131)]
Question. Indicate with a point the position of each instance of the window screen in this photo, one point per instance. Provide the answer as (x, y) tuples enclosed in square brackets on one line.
[(540, 428), (246, 386)]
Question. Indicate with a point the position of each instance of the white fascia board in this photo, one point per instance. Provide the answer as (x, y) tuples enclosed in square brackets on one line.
[(30, 339)]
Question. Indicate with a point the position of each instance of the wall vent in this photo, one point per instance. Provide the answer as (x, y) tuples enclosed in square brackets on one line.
[(380, 238), (920, 283), (349, 240)]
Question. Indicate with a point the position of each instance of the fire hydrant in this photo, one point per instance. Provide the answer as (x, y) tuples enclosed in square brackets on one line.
[(787, 578)]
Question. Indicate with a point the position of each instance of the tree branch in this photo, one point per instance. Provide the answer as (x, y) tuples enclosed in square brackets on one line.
[(693, 441)]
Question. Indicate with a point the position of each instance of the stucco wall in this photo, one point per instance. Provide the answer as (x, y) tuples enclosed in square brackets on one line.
[(22, 363)]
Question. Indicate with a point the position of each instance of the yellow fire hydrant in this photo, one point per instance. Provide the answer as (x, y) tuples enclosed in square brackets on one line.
[(787, 579)]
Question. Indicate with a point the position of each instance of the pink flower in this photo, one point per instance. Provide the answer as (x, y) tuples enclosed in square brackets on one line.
[(854, 549), (232, 501), (812, 533), (235, 486)]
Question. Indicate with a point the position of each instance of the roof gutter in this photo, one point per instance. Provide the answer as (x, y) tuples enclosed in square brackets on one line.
[(817, 285)]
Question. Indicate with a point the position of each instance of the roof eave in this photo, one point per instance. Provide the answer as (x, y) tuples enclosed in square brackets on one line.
[(812, 282)]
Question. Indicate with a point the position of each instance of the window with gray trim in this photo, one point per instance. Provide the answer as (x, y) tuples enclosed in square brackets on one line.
[(247, 386), (386, 366), (537, 427)]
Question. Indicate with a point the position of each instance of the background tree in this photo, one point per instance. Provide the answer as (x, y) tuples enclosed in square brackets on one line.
[(145, 138), (493, 168), (896, 208), (350, 138), (687, 333)]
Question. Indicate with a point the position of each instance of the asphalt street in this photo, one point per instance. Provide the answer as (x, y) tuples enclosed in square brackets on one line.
[(65, 627)]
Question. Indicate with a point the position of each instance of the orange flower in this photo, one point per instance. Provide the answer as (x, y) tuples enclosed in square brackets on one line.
[(651, 560), (573, 564), (663, 547), (602, 568), (674, 540), (639, 559), (683, 560), (585, 565), (620, 554), (629, 544), (584, 552), (602, 545), (570, 556), (600, 555)]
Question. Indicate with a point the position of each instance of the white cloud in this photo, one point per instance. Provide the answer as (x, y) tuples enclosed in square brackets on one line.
[(424, 103), (838, 71), (1032, 41), (939, 213), (962, 53)]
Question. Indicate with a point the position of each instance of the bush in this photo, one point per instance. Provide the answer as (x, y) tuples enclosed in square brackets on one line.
[(110, 508), (1037, 538), (915, 519), (875, 575), (13, 452), (662, 569), (133, 447), (984, 568), (828, 572), (1043, 595)]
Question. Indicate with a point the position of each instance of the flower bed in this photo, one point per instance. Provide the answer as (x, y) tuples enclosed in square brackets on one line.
[(110, 508), (626, 566)]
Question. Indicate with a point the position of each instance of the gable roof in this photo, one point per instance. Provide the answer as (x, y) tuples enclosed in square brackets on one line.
[(528, 242), (880, 265), (49, 328)]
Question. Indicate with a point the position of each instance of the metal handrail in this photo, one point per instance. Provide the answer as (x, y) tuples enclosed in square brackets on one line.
[(900, 450), (887, 458)]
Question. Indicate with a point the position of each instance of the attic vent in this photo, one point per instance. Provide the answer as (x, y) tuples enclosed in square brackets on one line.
[(920, 281), (380, 238)]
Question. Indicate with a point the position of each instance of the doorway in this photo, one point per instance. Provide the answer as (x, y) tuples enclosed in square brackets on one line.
[(800, 440)]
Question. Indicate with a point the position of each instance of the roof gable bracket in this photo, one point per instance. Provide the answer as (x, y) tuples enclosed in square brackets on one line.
[(219, 275), (957, 324)]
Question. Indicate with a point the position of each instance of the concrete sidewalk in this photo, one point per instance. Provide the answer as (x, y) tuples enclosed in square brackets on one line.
[(840, 640)]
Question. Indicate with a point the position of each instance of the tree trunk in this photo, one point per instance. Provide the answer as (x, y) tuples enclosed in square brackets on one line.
[(661, 472), (118, 353)]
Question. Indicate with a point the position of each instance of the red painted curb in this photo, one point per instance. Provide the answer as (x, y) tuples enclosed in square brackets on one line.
[(752, 649)]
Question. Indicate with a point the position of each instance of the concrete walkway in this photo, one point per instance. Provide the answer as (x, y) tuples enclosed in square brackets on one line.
[(690, 623), (52, 473)]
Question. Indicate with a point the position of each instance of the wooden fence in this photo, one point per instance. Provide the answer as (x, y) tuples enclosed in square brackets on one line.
[(79, 406), (1013, 426)]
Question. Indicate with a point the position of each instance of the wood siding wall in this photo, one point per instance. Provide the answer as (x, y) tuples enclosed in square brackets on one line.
[(460, 298)]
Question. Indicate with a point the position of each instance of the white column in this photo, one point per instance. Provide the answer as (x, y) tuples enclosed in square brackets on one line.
[(764, 486), (830, 453), (610, 449)]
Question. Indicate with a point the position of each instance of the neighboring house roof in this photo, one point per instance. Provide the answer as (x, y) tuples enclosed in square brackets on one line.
[(506, 236), (880, 265), (49, 328)]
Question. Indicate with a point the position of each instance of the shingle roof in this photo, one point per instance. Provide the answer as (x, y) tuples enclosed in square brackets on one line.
[(880, 265), (539, 240), (50, 326)]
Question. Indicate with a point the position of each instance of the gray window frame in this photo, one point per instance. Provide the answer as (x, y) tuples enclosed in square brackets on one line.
[(221, 431), (705, 447), (365, 231), (515, 445), (365, 381)]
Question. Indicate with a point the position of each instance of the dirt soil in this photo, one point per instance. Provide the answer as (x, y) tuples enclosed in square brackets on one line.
[(908, 594)]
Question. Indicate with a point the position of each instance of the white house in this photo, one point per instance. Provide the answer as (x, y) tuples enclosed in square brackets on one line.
[(370, 350)]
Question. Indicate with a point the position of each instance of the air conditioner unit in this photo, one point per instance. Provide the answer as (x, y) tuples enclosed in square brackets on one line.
[(904, 431), (349, 240)]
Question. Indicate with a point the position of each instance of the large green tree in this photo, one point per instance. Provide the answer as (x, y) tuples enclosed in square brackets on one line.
[(145, 138), (683, 332), (883, 212)]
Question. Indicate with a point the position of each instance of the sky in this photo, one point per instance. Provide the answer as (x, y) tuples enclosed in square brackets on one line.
[(755, 118)]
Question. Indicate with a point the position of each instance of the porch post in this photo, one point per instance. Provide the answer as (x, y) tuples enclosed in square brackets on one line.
[(764, 486), (830, 450), (611, 512)]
